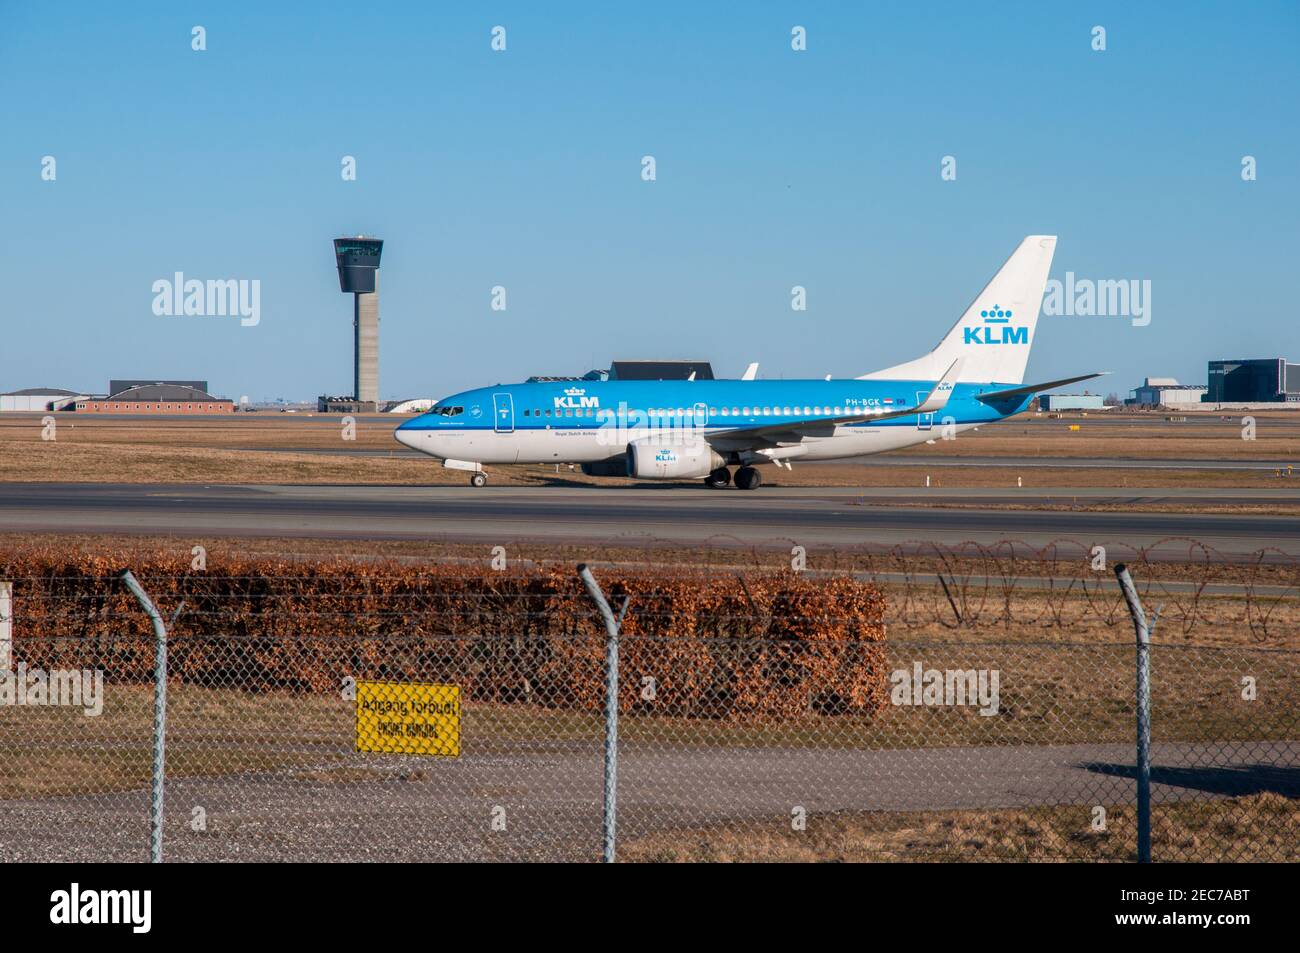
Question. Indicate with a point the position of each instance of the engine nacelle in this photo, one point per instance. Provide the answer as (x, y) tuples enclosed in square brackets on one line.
[(652, 460)]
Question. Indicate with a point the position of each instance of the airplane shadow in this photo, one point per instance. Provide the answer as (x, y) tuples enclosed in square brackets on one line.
[(656, 485), (1229, 781)]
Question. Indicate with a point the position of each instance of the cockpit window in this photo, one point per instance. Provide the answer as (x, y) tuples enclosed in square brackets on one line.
[(447, 411)]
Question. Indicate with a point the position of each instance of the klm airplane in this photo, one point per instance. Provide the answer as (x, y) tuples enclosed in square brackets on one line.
[(689, 429)]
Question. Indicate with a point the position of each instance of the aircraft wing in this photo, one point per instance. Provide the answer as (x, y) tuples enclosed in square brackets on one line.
[(794, 431), (1034, 388)]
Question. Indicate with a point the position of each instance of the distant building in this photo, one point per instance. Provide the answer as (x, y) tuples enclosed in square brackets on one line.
[(660, 370), (638, 371), (1166, 392), (417, 405), (40, 399), (1055, 402), (157, 399), (1258, 381), (116, 387), (344, 405)]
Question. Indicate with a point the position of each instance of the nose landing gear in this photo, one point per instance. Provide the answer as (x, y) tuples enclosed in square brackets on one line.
[(476, 475)]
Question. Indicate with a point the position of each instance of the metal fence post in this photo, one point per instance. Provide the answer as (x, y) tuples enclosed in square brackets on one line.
[(6, 625), (159, 717), (1143, 712), (610, 813)]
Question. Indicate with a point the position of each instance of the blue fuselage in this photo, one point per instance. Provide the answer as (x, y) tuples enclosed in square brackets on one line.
[(553, 421)]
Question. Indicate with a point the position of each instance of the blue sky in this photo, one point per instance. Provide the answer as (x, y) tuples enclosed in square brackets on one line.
[(775, 168)]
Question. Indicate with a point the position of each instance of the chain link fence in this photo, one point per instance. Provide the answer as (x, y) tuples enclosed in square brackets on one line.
[(488, 745)]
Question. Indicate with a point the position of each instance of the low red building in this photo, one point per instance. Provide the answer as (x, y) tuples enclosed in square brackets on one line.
[(157, 399)]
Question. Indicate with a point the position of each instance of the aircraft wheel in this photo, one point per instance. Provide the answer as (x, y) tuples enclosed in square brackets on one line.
[(718, 478), (478, 479), (747, 478)]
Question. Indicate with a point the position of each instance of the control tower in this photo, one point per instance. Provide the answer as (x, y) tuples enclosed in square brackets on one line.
[(358, 264)]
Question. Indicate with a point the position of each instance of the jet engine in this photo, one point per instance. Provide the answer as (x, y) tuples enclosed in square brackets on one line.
[(651, 460)]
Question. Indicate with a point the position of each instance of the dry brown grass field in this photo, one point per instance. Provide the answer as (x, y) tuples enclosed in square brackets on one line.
[(260, 448), (1258, 826)]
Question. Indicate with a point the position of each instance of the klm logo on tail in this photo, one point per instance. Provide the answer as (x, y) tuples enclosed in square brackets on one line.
[(996, 329)]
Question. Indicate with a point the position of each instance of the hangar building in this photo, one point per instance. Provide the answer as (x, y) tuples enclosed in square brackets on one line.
[(660, 370), (40, 399), (1166, 392), (160, 398), (1055, 402), (416, 405), (1258, 381), (640, 371), (117, 386)]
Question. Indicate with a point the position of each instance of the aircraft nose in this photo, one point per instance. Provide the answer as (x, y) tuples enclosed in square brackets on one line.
[(406, 434)]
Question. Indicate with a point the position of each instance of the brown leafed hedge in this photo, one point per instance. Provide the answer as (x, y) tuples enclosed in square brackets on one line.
[(765, 646)]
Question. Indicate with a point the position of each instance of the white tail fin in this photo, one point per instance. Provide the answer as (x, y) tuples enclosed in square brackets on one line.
[(993, 337)]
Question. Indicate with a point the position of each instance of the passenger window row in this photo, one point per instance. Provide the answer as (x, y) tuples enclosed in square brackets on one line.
[(713, 412)]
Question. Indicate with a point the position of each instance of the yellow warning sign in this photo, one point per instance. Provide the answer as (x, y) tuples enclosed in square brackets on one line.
[(408, 718)]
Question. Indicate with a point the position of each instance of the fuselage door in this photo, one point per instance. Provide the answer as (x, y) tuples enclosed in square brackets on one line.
[(503, 416), (923, 421)]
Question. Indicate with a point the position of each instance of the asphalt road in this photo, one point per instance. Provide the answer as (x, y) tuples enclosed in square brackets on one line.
[(1064, 463), (391, 808), (769, 516), (906, 460)]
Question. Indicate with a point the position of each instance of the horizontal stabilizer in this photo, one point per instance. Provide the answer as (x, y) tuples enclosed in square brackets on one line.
[(1035, 388)]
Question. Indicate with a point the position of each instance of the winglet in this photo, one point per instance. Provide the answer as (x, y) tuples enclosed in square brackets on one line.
[(751, 372), (937, 399)]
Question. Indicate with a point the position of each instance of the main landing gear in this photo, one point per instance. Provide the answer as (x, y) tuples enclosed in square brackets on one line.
[(478, 478), (718, 479), (747, 478)]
